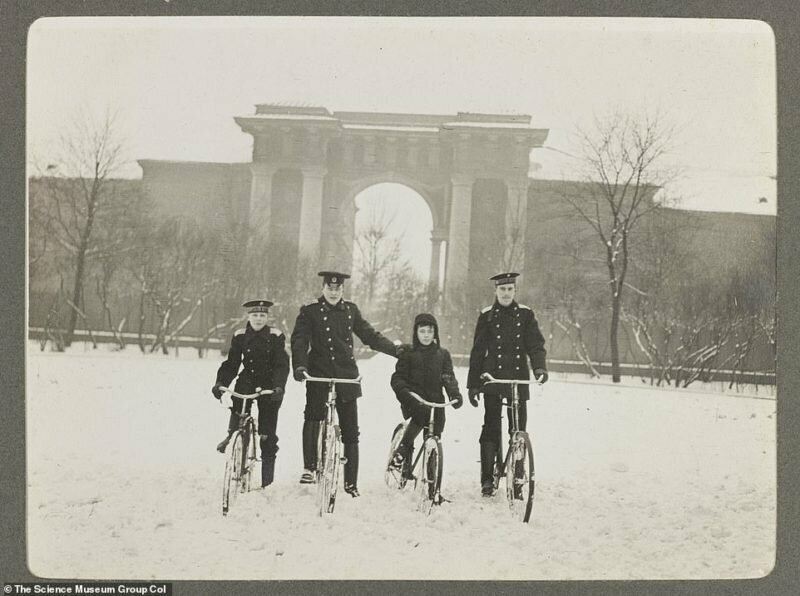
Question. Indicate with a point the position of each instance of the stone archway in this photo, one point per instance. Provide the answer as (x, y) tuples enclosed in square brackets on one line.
[(441, 157)]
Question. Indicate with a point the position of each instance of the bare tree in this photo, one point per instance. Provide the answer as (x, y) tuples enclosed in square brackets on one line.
[(621, 157), (377, 254), (80, 198)]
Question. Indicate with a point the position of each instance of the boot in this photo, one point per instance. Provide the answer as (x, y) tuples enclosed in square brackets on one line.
[(222, 445), (488, 458), (267, 470), (310, 432), (351, 469)]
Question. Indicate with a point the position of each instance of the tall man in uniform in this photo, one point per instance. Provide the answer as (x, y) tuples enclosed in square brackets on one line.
[(322, 346), (506, 336)]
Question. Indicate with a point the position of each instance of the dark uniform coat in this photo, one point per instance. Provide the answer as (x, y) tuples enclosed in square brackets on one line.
[(322, 342), (505, 338), (425, 370), (262, 356)]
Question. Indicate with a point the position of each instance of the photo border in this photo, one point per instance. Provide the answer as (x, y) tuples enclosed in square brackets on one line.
[(15, 18)]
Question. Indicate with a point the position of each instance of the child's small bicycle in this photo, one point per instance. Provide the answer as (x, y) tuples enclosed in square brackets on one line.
[(428, 465), (329, 447), (517, 467), (243, 453)]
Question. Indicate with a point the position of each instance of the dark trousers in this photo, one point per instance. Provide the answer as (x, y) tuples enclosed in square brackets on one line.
[(420, 415), (492, 431), (347, 412), (267, 422)]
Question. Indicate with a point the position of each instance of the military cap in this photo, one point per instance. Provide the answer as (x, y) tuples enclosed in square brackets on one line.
[(333, 277), (504, 278), (257, 305)]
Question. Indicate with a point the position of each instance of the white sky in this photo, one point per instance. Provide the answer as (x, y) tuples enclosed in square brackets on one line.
[(178, 83)]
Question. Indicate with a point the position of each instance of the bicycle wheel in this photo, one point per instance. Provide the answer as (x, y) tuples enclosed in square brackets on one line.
[(233, 472), (429, 476), (329, 478), (520, 477), (498, 471), (249, 441), (393, 477), (321, 440)]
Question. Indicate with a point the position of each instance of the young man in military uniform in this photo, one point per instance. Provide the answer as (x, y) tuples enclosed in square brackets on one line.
[(322, 346), (506, 336), (260, 351)]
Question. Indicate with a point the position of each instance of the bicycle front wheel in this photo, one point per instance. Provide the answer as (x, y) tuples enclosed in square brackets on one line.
[(392, 476), (429, 476), (232, 480), (250, 456), (329, 476), (520, 476)]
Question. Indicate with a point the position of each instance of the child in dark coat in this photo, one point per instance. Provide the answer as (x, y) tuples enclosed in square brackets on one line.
[(258, 360), (426, 369)]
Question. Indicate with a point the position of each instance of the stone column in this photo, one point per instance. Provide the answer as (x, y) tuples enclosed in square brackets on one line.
[(437, 237), (516, 224), (311, 216), (458, 237), (260, 206)]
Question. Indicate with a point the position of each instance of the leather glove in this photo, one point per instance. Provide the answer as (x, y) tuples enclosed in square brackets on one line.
[(459, 401), (216, 391), (277, 395), (401, 349), (299, 373), (474, 395), (540, 375)]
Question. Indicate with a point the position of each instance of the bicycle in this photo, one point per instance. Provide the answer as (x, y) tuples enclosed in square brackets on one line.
[(518, 464), (329, 447), (243, 453), (426, 469)]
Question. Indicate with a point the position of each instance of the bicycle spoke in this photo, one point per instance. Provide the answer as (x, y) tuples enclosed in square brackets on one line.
[(233, 473), (520, 478), (392, 476)]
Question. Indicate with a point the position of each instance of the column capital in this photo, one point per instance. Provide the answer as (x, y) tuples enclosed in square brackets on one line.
[(258, 168), (517, 183), (462, 180), (438, 235), (314, 171)]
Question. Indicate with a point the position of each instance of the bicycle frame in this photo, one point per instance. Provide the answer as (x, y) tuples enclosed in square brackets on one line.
[(237, 471), (518, 439), (435, 497), (328, 441)]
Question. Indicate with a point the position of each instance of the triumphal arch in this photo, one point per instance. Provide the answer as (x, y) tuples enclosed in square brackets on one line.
[(328, 158)]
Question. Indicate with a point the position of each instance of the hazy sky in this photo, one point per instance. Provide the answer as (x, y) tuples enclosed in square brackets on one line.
[(178, 83)]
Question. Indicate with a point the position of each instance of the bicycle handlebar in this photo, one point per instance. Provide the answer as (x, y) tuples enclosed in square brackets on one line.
[(247, 395), (488, 379), (431, 404), (308, 377)]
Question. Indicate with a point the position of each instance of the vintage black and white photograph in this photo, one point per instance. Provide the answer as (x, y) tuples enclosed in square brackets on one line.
[(370, 298)]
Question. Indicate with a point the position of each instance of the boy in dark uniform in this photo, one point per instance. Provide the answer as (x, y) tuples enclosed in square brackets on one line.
[(260, 351), (506, 336), (322, 346), (426, 370)]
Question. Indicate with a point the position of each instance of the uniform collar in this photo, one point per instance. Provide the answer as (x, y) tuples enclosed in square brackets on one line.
[(250, 331), (499, 308), (328, 306)]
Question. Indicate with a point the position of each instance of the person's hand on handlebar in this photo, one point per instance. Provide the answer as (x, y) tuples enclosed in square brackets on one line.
[(216, 391), (474, 395), (300, 373), (277, 395), (540, 375), (459, 401)]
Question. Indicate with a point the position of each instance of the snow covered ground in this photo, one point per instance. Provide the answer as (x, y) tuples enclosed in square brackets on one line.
[(633, 482)]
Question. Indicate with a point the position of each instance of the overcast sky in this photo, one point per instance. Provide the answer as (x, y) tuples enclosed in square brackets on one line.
[(178, 83)]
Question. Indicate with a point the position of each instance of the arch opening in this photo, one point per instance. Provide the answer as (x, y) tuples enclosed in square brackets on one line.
[(394, 276)]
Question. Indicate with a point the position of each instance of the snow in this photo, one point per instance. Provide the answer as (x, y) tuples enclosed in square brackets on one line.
[(633, 482)]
